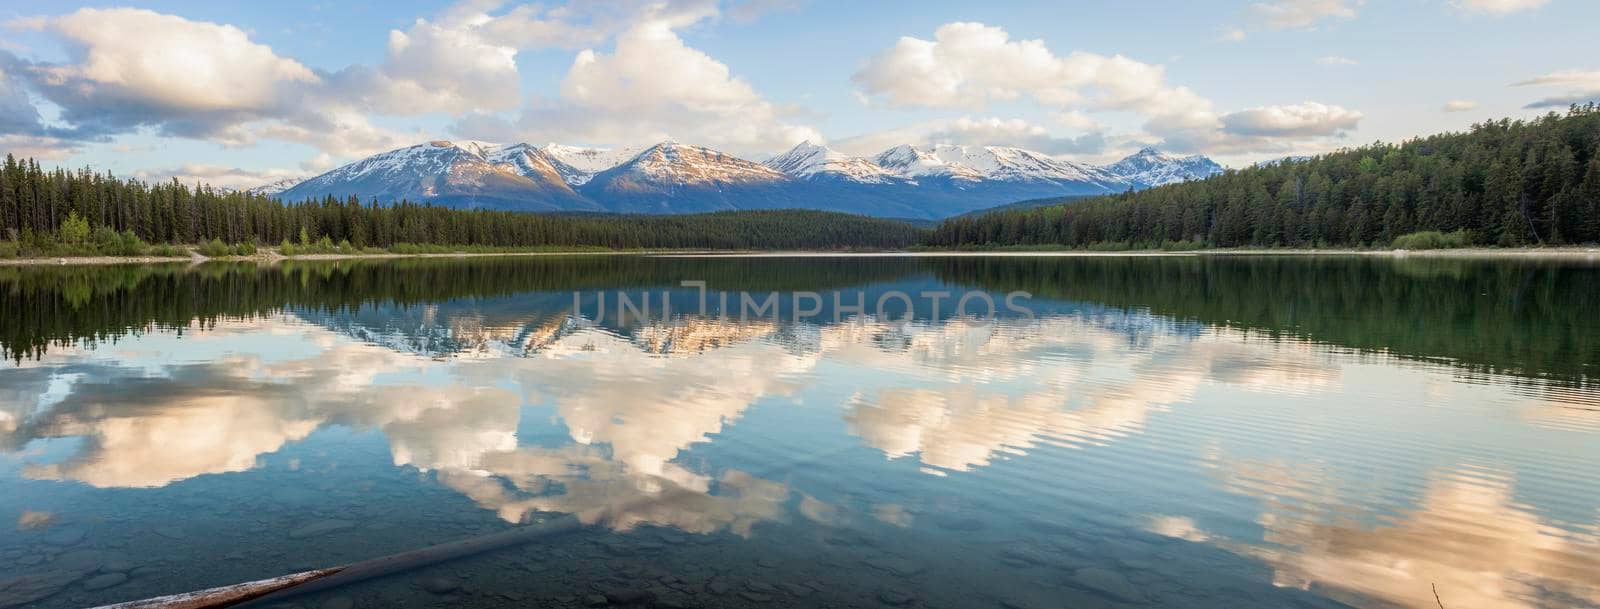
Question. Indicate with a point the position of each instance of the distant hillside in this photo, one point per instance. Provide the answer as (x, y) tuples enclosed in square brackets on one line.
[(1025, 205), (1508, 183)]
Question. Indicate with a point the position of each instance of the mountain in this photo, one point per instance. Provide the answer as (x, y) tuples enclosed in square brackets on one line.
[(902, 182), (810, 161), (1149, 168), (583, 163), (458, 174), (274, 187), (979, 164), (678, 178)]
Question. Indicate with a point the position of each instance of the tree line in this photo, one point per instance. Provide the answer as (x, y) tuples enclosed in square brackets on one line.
[(40, 208), (1502, 183)]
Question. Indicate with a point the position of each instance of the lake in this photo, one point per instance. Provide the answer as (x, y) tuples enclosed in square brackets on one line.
[(951, 432)]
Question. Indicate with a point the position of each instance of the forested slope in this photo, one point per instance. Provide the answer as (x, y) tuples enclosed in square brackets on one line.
[(1506, 183)]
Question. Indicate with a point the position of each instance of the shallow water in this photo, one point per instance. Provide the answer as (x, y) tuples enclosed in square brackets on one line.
[(1138, 432)]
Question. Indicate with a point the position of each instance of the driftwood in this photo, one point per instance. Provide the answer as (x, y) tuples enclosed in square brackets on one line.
[(279, 588), (227, 595)]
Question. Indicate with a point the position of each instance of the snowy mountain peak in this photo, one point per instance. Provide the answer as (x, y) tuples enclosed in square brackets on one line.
[(931, 181), (1151, 167), (274, 187), (979, 163), (585, 162), (912, 162), (808, 160), (672, 162)]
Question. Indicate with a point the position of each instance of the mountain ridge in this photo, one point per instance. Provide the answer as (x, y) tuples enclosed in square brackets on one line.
[(670, 177)]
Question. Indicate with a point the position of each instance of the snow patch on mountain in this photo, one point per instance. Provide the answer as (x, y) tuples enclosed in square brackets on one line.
[(809, 160), (674, 163), (274, 187), (1150, 167), (585, 162)]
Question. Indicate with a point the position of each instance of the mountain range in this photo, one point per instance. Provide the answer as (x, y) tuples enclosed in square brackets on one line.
[(904, 182)]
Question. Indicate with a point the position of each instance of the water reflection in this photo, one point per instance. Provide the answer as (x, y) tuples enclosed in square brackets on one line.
[(1469, 539), (1343, 470)]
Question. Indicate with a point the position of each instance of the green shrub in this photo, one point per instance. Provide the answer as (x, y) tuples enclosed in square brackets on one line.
[(248, 248), (10, 249), (215, 248), (1432, 240), (166, 250), (1183, 246)]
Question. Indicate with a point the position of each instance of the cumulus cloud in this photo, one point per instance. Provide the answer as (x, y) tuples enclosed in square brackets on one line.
[(185, 78), (1306, 119), (653, 86), (220, 176), (1293, 14), (1580, 86), (1498, 7), (188, 78), (1460, 105), (971, 65), (984, 131)]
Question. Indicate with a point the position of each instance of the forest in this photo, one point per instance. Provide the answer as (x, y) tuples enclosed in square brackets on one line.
[(57, 212), (1508, 183)]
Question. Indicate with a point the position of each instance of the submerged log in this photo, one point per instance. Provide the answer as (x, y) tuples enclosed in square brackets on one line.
[(306, 582), (226, 596)]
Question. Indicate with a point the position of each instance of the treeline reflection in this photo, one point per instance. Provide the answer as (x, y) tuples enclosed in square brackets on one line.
[(1527, 318)]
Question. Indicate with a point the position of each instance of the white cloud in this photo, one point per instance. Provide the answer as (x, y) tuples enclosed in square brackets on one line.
[(38, 147), (448, 67), (1460, 105), (652, 86), (1498, 7), (186, 65), (980, 131), (1581, 86), (1293, 14), (189, 79), (1232, 34), (1305, 119), (1337, 60), (971, 65), (219, 176)]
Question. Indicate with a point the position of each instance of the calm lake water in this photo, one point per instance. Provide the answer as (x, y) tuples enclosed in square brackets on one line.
[(1136, 432)]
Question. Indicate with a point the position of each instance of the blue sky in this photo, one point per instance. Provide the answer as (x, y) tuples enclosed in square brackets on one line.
[(238, 93)]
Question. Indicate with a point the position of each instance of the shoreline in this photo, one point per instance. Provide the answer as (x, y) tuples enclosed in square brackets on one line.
[(272, 256)]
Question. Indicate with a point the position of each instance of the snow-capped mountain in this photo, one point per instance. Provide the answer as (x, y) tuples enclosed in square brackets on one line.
[(1149, 168), (992, 163), (809, 160), (274, 187), (459, 174), (585, 162), (675, 178), (904, 181)]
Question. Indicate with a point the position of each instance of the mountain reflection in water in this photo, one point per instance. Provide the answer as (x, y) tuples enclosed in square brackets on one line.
[(1333, 423)]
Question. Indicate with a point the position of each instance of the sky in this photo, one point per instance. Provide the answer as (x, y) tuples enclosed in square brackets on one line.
[(239, 94)]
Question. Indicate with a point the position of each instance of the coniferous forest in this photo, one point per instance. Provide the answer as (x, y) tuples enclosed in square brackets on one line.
[(1502, 183), (48, 212)]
